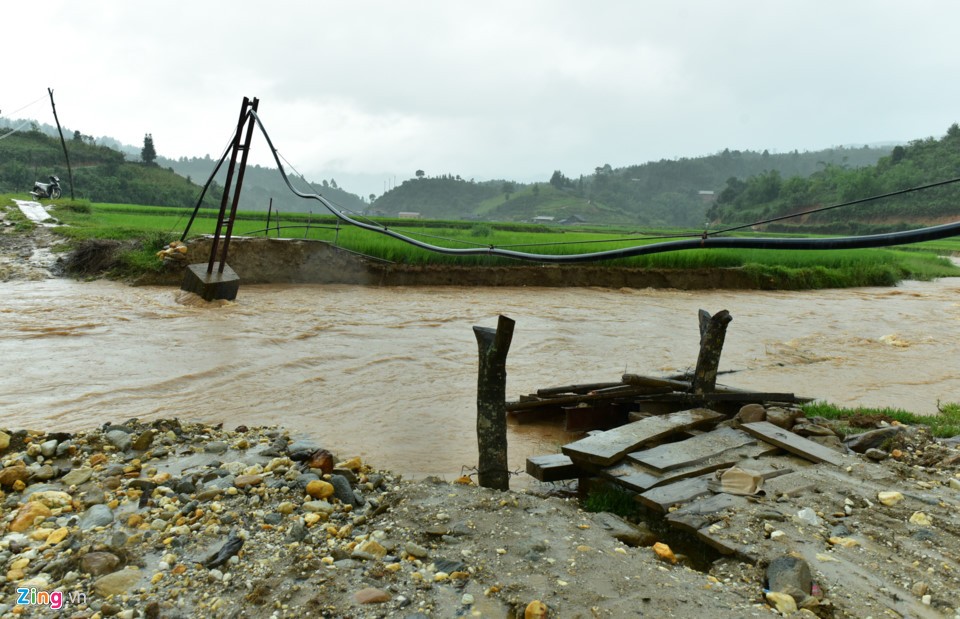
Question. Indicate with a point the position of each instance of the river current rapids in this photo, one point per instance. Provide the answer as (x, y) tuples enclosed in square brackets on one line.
[(390, 374)]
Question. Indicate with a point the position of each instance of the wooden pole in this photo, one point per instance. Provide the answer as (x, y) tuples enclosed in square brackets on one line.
[(62, 142), (493, 344), (712, 335)]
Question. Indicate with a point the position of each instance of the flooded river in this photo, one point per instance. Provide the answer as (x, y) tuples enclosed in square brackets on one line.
[(390, 373)]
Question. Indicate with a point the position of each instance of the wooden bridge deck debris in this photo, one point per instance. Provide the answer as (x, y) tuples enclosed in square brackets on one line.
[(747, 474), (676, 474)]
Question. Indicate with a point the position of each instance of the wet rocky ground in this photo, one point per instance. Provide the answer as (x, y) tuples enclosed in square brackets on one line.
[(25, 254), (174, 519), (170, 519)]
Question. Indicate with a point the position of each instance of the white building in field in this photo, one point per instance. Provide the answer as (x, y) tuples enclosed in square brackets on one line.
[(408, 215)]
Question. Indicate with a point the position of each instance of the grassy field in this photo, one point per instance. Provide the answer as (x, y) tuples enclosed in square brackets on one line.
[(945, 424), (155, 226)]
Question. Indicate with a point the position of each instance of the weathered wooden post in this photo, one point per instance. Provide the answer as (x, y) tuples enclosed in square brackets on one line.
[(494, 344), (713, 330)]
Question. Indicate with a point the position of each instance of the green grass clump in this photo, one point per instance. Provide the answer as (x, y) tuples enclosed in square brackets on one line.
[(945, 424), (142, 257), (611, 499)]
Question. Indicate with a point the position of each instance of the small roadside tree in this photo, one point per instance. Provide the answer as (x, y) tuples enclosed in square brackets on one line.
[(507, 189), (148, 154)]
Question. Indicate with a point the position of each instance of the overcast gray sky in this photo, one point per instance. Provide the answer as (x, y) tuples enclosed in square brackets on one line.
[(367, 91)]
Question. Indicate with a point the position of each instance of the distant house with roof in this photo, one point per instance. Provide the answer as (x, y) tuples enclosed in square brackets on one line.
[(572, 219), (543, 219)]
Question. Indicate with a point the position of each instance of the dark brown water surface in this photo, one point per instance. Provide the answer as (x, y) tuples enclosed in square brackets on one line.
[(390, 373)]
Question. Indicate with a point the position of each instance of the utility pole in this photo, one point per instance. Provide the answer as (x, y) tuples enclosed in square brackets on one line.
[(63, 142)]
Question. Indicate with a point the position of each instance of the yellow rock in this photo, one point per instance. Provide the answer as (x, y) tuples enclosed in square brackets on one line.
[(463, 480), (782, 602), (353, 464), (28, 515), (920, 518), (58, 536), (18, 485), (319, 489), (889, 498), (664, 553), (373, 548), (41, 535), (393, 567), (440, 576), (584, 548), (311, 519), (51, 498), (845, 542), (535, 610), (20, 563), (134, 521)]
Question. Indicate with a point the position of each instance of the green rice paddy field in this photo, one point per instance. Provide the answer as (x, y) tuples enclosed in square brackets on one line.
[(156, 226)]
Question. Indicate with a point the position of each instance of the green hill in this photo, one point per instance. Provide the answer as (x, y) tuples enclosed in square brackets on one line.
[(666, 193), (100, 174), (106, 170), (442, 197), (770, 194)]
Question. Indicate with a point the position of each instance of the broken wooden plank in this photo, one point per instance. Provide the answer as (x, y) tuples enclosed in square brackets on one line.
[(613, 393), (607, 448), (656, 382), (747, 554), (721, 392), (789, 485), (552, 467), (793, 443), (699, 514), (578, 389), (662, 498), (693, 450), (652, 479)]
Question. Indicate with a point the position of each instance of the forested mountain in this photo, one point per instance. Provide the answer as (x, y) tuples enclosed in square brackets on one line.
[(770, 194), (670, 193)]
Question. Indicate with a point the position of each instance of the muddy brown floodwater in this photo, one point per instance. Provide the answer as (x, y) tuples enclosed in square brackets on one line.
[(390, 373)]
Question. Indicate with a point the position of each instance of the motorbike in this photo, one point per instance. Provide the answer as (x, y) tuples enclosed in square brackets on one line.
[(50, 191)]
